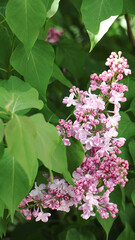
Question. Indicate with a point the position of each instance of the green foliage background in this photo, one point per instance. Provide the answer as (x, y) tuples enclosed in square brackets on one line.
[(32, 86)]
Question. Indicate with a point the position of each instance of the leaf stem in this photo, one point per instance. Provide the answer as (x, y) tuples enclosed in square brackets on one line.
[(51, 175), (69, 116), (2, 112), (2, 21), (4, 70)]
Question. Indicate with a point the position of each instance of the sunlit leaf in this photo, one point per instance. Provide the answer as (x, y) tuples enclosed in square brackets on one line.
[(2, 206), (59, 160), (104, 27), (38, 68), (98, 16), (3, 227), (16, 95), (25, 18), (96, 11), (1, 130), (14, 184), (46, 140), (53, 9), (2, 146), (20, 136)]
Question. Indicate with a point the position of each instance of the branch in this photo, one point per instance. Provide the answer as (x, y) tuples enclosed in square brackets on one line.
[(130, 33)]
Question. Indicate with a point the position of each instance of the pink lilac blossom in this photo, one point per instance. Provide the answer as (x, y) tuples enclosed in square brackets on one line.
[(96, 128), (53, 35)]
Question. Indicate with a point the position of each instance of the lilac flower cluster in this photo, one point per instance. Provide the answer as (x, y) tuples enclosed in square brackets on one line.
[(96, 128), (53, 35)]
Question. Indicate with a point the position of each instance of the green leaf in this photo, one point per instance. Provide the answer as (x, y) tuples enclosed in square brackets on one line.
[(96, 11), (98, 16), (70, 55), (105, 223), (132, 106), (128, 215), (133, 196), (77, 3), (116, 196), (5, 50), (128, 6), (73, 234), (53, 9), (14, 185), (127, 233), (2, 8), (16, 95), (2, 145), (38, 69), (131, 146), (129, 188), (126, 126), (49, 115), (104, 27), (1, 130), (3, 227), (59, 160), (40, 179), (130, 83), (2, 206), (25, 18), (20, 136), (125, 154), (46, 141), (58, 75), (75, 154), (47, 4)]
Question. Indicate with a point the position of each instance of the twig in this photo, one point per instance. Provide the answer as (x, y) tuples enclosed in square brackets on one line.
[(130, 33)]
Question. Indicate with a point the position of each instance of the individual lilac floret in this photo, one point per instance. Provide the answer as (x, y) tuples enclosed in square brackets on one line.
[(53, 35), (43, 216), (95, 126)]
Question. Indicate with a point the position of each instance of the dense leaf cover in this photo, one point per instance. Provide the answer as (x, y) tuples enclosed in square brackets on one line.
[(47, 47)]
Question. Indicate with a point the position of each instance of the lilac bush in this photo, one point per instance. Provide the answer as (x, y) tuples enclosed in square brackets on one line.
[(74, 159)]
